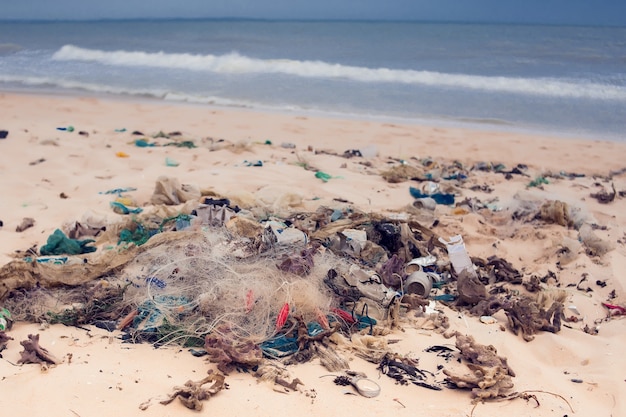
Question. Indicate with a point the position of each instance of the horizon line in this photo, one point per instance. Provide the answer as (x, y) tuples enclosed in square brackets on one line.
[(303, 20)]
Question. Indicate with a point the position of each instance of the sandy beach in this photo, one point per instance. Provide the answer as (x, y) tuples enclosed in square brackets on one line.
[(269, 161)]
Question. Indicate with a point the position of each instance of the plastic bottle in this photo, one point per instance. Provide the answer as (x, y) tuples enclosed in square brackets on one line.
[(457, 253)]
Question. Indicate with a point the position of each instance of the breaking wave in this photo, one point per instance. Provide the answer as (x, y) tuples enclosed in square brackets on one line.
[(234, 63)]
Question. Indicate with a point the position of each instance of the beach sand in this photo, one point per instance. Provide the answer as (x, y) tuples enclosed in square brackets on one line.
[(57, 176)]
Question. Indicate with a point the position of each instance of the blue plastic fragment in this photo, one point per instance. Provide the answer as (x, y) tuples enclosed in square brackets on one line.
[(440, 198)]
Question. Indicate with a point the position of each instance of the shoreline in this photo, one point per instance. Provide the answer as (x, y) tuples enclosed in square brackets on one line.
[(444, 122)]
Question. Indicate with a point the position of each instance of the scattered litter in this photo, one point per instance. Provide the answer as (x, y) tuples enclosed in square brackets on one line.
[(255, 163), (440, 198), (488, 320), (364, 386), (59, 244), (118, 191), (171, 163), (121, 154), (68, 129), (169, 191), (4, 134), (573, 309), (538, 182), (6, 322), (323, 176), (615, 310), (142, 143), (120, 208), (458, 254)]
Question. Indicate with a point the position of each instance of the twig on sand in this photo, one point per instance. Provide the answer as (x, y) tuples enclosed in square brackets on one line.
[(526, 395)]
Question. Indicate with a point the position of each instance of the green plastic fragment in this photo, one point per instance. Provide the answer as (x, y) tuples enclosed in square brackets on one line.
[(538, 181), (59, 244), (322, 176)]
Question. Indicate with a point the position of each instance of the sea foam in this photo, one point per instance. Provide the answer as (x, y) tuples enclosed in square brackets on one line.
[(235, 63)]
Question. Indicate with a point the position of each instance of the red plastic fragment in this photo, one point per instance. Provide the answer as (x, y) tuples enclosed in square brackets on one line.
[(282, 317), (615, 309)]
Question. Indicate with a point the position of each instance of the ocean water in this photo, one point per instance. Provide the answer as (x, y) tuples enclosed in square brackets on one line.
[(549, 79)]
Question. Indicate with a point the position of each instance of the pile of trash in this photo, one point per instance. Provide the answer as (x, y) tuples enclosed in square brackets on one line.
[(244, 286)]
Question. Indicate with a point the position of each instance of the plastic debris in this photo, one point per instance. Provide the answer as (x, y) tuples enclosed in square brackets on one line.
[(121, 154), (118, 191), (440, 198), (142, 143), (256, 163), (285, 235), (323, 176), (120, 208), (59, 244), (538, 182), (458, 254), (6, 320), (4, 134), (171, 163)]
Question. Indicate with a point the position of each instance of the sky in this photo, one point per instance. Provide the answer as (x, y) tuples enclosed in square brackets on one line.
[(577, 12)]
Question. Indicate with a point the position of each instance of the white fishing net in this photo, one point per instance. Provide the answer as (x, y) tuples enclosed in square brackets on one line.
[(203, 284)]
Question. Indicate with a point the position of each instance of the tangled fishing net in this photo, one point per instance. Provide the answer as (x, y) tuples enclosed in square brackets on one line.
[(203, 284)]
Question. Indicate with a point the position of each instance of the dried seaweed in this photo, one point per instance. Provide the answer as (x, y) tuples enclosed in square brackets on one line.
[(4, 338), (401, 173), (527, 316), (299, 264), (392, 271), (229, 354), (555, 211), (405, 371), (490, 375), (605, 197), (471, 290), (192, 394), (33, 353), (504, 271)]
